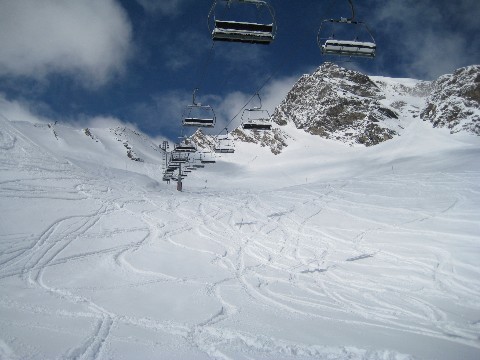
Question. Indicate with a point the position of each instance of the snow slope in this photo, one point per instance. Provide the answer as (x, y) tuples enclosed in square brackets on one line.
[(321, 252)]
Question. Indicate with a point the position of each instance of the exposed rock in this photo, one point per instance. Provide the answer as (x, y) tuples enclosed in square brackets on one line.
[(455, 101), (336, 103), (274, 139)]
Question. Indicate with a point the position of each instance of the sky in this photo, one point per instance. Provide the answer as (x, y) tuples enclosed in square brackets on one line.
[(101, 63)]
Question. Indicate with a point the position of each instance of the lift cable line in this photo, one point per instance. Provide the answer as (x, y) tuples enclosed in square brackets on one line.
[(244, 30)]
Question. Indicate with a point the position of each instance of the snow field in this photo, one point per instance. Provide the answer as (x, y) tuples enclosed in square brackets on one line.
[(366, 254)]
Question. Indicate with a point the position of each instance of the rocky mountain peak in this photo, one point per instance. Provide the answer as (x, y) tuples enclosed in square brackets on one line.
[(337, 103), (454, 101)]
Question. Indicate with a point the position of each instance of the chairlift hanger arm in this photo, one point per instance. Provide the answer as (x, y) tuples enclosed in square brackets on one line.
[(194, 97), (260, 102), (353, 11), (345, 21)]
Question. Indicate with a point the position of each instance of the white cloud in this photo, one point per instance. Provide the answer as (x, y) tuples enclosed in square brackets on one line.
[(15, 110), (22, 110), (88, 39), (104, 122), (428, 38), (165, 7)]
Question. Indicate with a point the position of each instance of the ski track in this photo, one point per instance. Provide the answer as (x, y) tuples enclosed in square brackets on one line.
[(280, 248)]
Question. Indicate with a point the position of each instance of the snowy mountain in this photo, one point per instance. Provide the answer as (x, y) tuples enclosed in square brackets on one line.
[(114, 145), (336, 103), (355, 109), (455, 101), (322, 251)]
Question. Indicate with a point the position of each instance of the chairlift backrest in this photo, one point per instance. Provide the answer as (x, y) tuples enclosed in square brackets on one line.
[(240, 30)]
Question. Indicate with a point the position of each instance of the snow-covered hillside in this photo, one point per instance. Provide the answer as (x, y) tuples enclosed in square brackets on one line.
[(353, 108), (321, 252)]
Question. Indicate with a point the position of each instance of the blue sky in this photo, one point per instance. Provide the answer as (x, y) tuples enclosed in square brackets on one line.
[(104, 62)]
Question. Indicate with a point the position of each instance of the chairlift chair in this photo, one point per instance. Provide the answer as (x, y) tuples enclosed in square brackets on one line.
[(256, 118), (243, 31), (178, 158), (185, 146), (342, 47), (224, 144), (199, 115), (209, 159)]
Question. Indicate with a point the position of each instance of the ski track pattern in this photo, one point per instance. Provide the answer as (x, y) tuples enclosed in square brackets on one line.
[(318, 253)]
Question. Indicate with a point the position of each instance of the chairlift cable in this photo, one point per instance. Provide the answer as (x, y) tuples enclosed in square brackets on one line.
[(286, 59)]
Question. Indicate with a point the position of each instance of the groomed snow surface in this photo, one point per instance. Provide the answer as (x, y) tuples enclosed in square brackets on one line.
[(322, 252)]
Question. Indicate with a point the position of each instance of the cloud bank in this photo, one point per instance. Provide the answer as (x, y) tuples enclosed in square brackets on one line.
[(87, 39), (431, 37)]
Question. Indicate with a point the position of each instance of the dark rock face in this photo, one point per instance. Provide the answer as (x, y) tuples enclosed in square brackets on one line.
[(274, 139), (455, 101), (337, 103)]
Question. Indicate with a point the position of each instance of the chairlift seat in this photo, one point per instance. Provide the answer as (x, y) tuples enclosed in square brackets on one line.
[(257, 125), (183, 148), (224, 150), (245, 32), (349, 48), (177, 159), (199, 122)]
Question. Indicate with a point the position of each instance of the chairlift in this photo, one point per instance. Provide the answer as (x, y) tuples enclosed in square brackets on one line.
[(256, 118), (236, 29), (178, 158), (345, 47), (199, 115), (207, 158), (185, 146), (224, 144)]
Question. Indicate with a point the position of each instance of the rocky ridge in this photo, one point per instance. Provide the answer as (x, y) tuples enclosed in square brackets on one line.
[(353, 108), (454, 101), (336, 103)]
